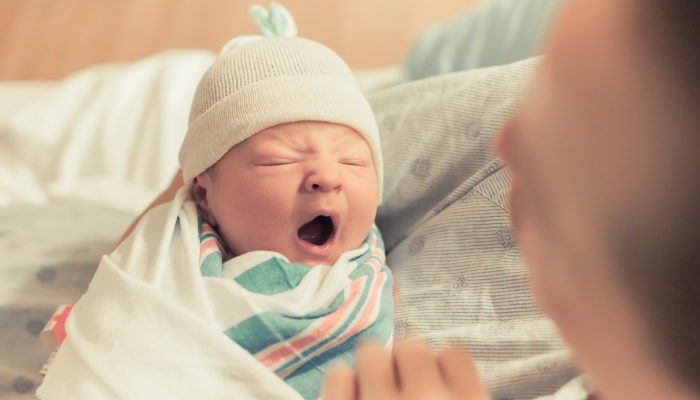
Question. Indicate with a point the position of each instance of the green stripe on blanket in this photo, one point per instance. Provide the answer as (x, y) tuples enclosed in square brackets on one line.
[(273, 276)]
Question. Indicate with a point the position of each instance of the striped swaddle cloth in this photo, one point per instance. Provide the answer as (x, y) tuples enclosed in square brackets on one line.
[(298, 320)]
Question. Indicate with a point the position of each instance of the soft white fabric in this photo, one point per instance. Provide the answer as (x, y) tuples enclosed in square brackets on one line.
[(260, 82), (579, 388), (107, 135), (147, 329)]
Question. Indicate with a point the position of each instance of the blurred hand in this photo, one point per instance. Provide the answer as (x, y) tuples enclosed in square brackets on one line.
[(411, 371)]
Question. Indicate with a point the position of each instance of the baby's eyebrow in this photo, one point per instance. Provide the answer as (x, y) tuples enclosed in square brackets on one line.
[(280, 139), (350, 141), (272, 148)]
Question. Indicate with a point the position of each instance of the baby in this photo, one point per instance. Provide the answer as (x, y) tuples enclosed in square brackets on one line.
[(271, 242), (284, 161)]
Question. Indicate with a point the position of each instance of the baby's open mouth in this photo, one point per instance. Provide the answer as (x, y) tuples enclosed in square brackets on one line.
[(317, 231)]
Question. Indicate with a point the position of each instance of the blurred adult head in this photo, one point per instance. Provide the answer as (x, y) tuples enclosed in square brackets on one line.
[(605, 156)]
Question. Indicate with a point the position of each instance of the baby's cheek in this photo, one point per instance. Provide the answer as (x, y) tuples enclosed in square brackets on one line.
[(362, 220)]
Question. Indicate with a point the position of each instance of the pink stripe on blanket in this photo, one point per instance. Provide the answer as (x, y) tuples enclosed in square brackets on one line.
[(206, 246), (207, 229), (325, 327), (362, 322), (369, 310)]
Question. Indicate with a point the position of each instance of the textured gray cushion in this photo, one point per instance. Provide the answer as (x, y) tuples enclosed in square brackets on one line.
[(445, 222)]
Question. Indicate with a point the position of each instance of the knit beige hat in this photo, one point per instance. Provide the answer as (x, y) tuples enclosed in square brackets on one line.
[(258, 82)]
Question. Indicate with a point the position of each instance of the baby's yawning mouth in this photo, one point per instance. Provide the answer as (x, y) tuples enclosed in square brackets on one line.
[(317, 231)]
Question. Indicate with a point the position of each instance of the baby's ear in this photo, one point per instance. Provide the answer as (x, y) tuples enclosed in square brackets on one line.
[(200, 187)]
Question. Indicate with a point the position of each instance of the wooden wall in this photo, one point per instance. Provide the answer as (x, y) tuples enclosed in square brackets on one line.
[(47, 39)]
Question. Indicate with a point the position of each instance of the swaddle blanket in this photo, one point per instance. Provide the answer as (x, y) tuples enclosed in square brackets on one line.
[(294, 318), (161, 312)]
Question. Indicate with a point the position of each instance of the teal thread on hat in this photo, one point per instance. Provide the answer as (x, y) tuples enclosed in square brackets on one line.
[(276, 22)]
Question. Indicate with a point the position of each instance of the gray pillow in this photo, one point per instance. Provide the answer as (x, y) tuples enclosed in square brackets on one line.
[(461, 279)]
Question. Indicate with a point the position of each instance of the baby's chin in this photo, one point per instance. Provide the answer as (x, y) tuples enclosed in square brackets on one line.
[(314, 262), (329, 258)]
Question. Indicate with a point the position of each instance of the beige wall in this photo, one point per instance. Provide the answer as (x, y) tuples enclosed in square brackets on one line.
[(47, 39)]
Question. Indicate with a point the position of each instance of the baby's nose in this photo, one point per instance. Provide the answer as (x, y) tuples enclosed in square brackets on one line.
[(324, 178)]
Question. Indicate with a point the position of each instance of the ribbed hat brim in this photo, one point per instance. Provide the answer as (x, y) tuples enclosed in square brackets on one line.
[(274, 101)]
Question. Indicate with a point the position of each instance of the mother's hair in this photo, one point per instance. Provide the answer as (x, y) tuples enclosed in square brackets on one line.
[(662, 268)]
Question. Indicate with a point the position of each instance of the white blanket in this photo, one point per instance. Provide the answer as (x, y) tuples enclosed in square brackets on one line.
[(132, 334)]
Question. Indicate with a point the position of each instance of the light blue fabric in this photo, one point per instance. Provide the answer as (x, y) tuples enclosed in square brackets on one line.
[(495, 32)]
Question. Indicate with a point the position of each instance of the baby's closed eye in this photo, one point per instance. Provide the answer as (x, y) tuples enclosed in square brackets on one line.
[(353, 162), (274, 158), (272, 162)]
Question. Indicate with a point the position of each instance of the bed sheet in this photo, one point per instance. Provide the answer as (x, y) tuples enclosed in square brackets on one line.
[(48, 255)]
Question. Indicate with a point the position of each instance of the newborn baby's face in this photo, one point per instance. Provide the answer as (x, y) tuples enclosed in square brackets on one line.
[(307, 190)]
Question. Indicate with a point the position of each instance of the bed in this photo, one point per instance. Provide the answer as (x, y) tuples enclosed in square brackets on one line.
[(82, 155)]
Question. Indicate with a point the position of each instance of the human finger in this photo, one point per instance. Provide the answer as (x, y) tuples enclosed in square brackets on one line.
[(340, 384), (416, 368), (375, 372), (459, 373)]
